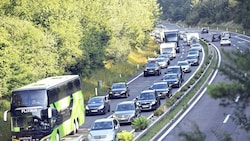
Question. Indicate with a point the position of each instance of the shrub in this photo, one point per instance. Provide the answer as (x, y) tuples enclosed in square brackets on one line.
[(159, 111), (140, 123), (125, 136), (170, 102), (185, 88)]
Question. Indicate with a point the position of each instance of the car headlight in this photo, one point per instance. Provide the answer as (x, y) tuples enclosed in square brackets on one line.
[(90, 136), (110, 92), (109, 136), (87, 107), (153, 102), (123, 91), (101, 107), (138, 103)]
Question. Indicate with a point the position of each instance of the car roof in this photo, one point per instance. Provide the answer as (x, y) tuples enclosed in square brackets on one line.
[(170, 74), (97, 97), (104, 119), (161, 82), (182, 61), (147, 91), (173, 67), (126, 102), (119, 83)]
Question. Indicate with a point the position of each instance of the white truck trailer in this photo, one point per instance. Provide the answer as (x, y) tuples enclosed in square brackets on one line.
[(168, 48)]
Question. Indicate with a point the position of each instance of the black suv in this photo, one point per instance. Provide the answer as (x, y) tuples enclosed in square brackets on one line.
[(204, 30), (152, 68), (216, 37), (148, 100), (177, 70), (118, 90)]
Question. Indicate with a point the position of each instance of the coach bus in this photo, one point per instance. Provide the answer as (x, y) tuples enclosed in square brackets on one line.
[(47, 110)]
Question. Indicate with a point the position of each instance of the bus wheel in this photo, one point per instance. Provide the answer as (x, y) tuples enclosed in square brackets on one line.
[(57, 137)]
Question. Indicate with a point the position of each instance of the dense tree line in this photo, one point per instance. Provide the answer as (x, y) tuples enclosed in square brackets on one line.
[(41, 38), (195, 12)]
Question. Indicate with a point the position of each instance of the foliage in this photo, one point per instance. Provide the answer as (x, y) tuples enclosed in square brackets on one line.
[(125, 136), (194, 12), (159, 111), (140, 123), (43, 38), (236, 69)]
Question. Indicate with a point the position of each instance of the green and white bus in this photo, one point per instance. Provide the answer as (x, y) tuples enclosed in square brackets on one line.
[(47, 110)]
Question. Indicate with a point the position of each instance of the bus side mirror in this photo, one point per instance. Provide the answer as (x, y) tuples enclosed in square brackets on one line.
[(5, 116), (49, 113)]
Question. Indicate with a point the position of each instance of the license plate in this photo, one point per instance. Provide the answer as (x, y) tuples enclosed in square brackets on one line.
[(94, 110), (145, 106)]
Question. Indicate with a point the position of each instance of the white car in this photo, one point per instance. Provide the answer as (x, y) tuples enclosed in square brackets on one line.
[(104, 129), (225, 41)]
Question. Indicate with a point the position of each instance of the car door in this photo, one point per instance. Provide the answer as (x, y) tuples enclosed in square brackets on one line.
[(106, 103)]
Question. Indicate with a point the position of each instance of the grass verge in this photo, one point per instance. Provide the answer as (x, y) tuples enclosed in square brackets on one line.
[(183, 103)]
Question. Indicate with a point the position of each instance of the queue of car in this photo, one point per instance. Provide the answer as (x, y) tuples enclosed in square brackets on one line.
[(149, 99)]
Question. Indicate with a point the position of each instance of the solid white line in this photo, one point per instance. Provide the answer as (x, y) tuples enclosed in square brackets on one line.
[(196, 100), (237, 99), (182, 116), (226, 119)]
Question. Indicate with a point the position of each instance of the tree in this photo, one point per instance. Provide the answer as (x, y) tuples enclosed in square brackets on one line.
[(236, 68)]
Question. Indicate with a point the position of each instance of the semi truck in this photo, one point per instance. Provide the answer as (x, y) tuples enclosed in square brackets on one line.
[(172, 36)]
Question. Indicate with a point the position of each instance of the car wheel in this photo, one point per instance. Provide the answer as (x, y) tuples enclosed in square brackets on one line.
[(109, 109), (145, 74), (126, 95)]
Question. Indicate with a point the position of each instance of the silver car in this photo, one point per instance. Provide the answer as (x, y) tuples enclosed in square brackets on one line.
[(105, 129), (185, 66), (126, 112)]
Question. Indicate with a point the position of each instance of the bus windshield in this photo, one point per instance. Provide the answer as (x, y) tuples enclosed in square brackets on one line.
[(29, 98), (29, 123)]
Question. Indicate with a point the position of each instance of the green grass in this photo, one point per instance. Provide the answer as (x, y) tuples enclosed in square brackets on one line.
[(182, 105)]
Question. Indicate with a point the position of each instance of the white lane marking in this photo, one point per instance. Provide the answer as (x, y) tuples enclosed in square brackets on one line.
[(237, 99), (226, 119), (196, 100)]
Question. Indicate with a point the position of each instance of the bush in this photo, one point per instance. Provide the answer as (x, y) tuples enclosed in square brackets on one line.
[(159, 111), (140, 123), (185, 88), (125, 136), (170, 102)]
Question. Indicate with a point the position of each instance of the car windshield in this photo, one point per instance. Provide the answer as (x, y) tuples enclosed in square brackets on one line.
[(191, 57), (173, 70), (192, 52), (160, 86), (95, 100), (182, 63), (160, 60), (151, 65), (146, 96), (172, 76), (118, 86), (195, 45), (102, 125), (125, 107)]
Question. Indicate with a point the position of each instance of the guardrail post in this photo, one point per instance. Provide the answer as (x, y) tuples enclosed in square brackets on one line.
[(96, 92)]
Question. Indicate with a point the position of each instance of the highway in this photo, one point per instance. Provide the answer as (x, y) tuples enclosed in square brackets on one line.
[(137, 83), (207, 114), (211, 118)]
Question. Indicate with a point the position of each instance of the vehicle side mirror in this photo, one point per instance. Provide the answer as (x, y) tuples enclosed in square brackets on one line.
[(5, 117), (49, 113)]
